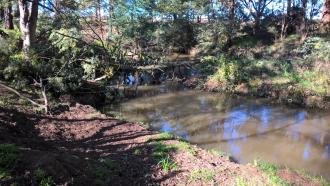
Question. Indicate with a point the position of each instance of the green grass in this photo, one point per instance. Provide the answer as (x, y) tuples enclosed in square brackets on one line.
[(271, 171), (162, 137), (42, 178), (9, 155), (161, 150), (137, 151), (184, 146), (202, 174), (240, 182), (167, 164)]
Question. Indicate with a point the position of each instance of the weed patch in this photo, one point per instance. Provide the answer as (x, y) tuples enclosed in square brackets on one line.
[(271, 171), (205, 175)]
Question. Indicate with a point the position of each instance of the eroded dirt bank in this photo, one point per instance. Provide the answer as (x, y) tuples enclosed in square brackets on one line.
[(84, 147)]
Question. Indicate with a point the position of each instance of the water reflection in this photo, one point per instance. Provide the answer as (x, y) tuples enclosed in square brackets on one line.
[(247, 129)]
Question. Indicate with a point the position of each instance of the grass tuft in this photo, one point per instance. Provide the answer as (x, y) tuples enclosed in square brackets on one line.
[(167, 164)]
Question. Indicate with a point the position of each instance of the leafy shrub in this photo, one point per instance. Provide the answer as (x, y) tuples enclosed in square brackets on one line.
[(316, 48), (227, 73)]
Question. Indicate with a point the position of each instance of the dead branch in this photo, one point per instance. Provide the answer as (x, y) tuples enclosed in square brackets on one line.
[(20, 95)]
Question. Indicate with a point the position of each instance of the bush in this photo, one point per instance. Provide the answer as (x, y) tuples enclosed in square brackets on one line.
[(227, 71), (315, 48)]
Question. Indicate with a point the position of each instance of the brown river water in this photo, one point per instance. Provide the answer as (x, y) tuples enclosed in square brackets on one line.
[(246, 128)]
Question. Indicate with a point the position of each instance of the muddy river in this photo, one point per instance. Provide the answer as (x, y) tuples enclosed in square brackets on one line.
[(246, 128)]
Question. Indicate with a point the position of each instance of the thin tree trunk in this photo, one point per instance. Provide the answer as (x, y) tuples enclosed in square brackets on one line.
[(111, 8), (303, 26), (231, 17), (28, 22), (288, 8), (2, 14), (8, 17)]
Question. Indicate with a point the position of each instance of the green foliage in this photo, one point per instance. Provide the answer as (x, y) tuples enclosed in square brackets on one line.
[(42, 178), (212, 37), (228, 72), (162, 137), (202, 174), (271, 171), (137, 151), (167, 164), (316, 48), (241, 182), (184, 146), (10, 44), (161, 150), (246, 41), (8, 156), (177, 36), (66, 40)]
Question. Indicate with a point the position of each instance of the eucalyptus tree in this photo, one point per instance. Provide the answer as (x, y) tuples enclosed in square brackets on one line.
[(28, 22), (257, 10)]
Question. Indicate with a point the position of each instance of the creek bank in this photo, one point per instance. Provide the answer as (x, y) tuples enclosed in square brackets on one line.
[(289, 95), (81, 146)]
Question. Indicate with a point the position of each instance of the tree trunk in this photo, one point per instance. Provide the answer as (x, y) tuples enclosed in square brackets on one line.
[(288, 8), (326, 14), (28, 22), (98, 10), (2, 14), (8, 17), (303, 26), (257, 22), (286, 18), (231, 18), (111, 8)]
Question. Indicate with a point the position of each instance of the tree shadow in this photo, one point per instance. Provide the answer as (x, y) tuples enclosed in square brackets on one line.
[(116, 153)]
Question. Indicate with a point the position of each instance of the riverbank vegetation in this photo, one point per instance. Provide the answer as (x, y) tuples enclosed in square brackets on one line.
[(56, 56)]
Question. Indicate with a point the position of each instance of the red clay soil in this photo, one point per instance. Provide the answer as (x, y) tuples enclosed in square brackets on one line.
[(84, 147)]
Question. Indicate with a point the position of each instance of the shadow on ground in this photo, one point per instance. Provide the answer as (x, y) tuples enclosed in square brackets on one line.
[(88, 151)]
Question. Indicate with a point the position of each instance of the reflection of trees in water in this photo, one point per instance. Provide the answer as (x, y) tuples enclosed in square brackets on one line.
[(206, 115)]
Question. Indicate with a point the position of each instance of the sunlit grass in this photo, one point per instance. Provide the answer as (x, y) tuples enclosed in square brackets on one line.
[(271, 172), (202, 174)]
